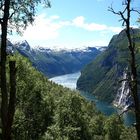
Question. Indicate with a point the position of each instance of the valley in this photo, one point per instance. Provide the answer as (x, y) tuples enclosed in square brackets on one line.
[(70, 80), (100, 68), (101, 77), (58, 62), (69, 70)]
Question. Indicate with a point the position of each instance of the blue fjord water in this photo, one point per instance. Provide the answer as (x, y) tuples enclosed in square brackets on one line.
[(69, 80)]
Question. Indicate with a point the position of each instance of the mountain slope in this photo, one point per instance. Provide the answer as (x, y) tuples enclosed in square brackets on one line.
[(45, 111), (53, 63), (101, 76)]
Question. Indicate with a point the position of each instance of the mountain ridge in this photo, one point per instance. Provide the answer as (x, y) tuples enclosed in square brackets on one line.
[(53, 62), (101, 76)]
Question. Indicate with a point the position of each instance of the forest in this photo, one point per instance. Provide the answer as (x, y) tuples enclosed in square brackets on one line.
[(47, 111), (34, 108)]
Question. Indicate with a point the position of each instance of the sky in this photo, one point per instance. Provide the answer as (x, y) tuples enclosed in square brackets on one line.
[(73, 24)]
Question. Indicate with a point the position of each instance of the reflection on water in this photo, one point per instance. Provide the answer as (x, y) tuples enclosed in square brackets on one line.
[(69, 80), (104, 107), (108, 109)]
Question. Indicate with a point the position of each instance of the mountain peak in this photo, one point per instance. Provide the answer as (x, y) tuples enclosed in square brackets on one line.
[(23, 45)]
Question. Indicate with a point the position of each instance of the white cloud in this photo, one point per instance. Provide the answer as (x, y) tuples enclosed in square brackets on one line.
[(115, 29), (80, 22), (95, 43), (95, 27), (43, 29), (54, 17), (46, 29)]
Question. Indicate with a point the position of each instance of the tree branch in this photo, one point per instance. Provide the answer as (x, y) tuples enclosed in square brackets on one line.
[(119, 13), (134, 10), (14, 10), (112, 10)]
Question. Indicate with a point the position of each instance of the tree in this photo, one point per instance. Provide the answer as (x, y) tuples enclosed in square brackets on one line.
[(113, 128), (125, 17), (13, 14)]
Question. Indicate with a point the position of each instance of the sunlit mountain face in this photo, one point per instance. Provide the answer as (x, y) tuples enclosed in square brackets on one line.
[(54, 62), (101, 77)]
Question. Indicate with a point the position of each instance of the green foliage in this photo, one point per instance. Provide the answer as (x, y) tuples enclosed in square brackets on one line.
[(128, 133), (71, 119), (30, 101), (46, 111), (113, 128), (21, 12)]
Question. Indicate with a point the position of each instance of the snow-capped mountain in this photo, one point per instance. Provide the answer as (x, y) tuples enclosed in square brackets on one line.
[(57, 62), (23, 45)]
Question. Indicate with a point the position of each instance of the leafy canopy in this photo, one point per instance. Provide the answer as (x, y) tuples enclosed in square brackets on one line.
[(21, 12)]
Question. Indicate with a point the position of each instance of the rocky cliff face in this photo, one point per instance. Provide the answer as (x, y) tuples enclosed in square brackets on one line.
[(101, 76), (123, 99)]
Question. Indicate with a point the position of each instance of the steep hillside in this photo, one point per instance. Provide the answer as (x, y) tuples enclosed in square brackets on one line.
[(46, 111), (101, 76), (53, 63)]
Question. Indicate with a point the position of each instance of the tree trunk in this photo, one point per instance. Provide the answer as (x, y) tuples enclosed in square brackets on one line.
[(134, 89), (4, 102), (134, 77), (12, 98)]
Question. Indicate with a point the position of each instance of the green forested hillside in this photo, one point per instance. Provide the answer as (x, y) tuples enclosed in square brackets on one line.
[(101, 76), (46, 111)]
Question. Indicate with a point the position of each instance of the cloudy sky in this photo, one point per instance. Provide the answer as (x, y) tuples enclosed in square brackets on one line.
[(75, 24)]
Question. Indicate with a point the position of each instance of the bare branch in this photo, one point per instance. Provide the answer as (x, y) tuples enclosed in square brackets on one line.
[(112, 10), (124, 10), (134, 10), (14, 10), (12, 15), (120, 14)]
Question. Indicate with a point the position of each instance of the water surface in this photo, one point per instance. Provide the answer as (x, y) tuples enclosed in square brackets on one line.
[(70, 80), (67, 80)]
